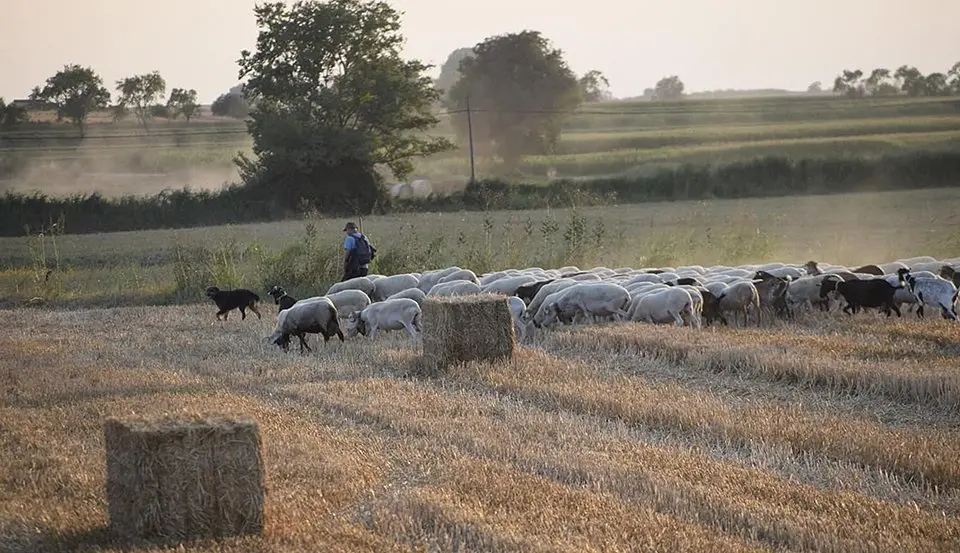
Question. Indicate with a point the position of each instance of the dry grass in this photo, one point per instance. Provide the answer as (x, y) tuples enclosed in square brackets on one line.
[(545, 452)]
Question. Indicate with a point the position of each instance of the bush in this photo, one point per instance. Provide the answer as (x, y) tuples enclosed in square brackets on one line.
[(231, 104)]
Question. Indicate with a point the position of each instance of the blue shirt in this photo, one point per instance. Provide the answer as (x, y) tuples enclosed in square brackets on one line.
[(349, 242)]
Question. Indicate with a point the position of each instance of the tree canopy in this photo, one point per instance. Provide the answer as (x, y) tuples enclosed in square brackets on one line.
[(334, 99), (183, 102), (450, 70), (594, 87), (521, 90), (140, 93), (669, 88), (77, 92)]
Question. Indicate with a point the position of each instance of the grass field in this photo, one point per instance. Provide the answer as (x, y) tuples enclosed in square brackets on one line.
[(601, 140), (831, 434), (162, 266)]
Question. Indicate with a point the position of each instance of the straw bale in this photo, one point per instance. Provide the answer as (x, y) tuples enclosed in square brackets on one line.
[(174, 480), (466, 328)]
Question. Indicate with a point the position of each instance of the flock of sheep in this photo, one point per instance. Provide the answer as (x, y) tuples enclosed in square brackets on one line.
[(541, 298)]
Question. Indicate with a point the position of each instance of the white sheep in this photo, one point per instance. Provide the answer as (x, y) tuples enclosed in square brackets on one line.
[(586, 277), (588, 299), (430, 278), (385, 287), (317, 315), (462, 275), (542, 295), (740, 297), (517, 307), (805, 292), (349, 300), (455, 288), (363, 284), (395, 314), (933, 292), (673, 305), (414, 294), (508, 285)]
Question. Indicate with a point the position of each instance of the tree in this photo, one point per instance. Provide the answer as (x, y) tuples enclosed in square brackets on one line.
[(878, 83), (333, 100), (11, 115), (183, 102), (910, 80), (231, 104), (935, 84), (649, 93), (139, 93), (594, 87), (668, 88), (450, 70), (77, 92), (953, 78), (850, 83), (816, 87), (521, 89)]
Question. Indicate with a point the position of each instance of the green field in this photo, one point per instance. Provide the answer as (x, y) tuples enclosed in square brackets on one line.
[(163, 266), (603, 139)]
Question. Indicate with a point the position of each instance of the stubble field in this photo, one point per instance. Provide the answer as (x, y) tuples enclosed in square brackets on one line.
[(827, 434)]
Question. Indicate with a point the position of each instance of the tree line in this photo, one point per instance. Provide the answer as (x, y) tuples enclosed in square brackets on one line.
[(906, 79)]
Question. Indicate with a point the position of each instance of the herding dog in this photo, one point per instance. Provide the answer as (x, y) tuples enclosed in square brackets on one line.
[(228, 300)]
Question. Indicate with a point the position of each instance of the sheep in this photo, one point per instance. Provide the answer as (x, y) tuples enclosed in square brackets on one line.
[(517, 307), (950, 274), (228, 300), (596, 299), (665, 306), (542, 294), (462, 275), (863, 293), (711, 308), (414, 294), (314, 316), (805, 292), (740, 297), (932, 291), (508, 286), (395, 314), (388, 286), (455, 288), (430, 278), (363, 284), (347, 301), (773, 292), (281, 298), (643, 277), (586, 277), (812, 268), (869, 270), (529, 291)]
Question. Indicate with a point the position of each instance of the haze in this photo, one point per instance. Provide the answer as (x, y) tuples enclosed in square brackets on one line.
[(710, 44)]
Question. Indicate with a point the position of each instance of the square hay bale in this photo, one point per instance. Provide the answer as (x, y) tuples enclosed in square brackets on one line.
[(174, 480), (466, 328)]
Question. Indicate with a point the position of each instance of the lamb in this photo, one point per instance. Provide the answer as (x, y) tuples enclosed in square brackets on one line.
[(545, 292), (596, 299), (395, 314), (665, 306), (932, 291), (348, 301), (862, 293), (455, 288), (314, 316), (363, 284), (281, 298), (228, 300), (508, 286), (385, 287), (414, 294), (739, 297)]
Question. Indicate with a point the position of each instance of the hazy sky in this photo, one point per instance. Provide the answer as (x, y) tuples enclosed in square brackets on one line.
[(710, 44)]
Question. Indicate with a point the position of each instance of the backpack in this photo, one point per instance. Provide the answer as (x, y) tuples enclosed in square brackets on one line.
[(363, 252)]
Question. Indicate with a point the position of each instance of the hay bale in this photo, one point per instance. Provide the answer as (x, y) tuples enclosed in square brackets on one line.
[(173, 480), (466, 328)]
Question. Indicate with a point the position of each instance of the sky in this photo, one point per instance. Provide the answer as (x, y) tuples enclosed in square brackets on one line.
[(709, 44)]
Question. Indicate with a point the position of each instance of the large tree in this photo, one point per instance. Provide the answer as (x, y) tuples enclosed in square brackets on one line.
[(140, 93), (594, 87), (450, 70), (77, 92), (333, 100), (183, 102), (911, 80), (520, 90), (954, 76), (669, 88)]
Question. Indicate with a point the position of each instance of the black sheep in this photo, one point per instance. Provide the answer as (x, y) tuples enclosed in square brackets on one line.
[(863, 293), (281, 298), (228, 300), (529, 291)]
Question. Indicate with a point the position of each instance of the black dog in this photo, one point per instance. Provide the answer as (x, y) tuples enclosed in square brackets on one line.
[(228, 300), (281, 298)]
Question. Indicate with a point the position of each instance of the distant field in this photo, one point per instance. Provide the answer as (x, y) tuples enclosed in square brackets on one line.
[(833, 434), (601, 140), (126, 268)]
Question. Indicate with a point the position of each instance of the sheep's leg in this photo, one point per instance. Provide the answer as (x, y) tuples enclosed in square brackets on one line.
[(896, 310), (677, 319), (409, 328), (373, 332)]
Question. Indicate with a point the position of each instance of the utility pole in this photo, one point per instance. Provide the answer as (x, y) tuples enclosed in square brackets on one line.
[(473, 171)]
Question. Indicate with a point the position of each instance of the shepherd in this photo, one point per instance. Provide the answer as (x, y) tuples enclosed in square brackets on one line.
[(359, 253)]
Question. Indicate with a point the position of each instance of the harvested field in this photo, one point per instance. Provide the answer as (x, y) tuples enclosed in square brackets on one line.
[(828, 434)]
